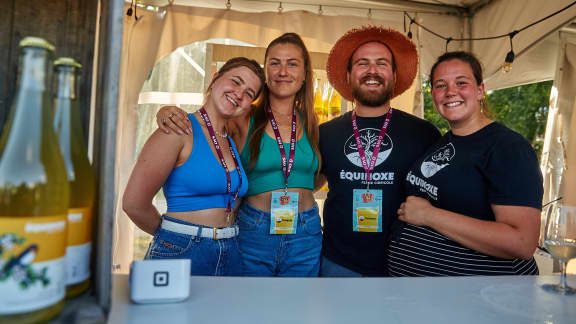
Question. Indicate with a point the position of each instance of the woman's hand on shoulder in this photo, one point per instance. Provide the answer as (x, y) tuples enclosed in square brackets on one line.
[(173, 119)]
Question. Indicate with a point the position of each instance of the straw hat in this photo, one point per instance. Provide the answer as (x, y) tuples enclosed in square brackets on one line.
[(403, 49)]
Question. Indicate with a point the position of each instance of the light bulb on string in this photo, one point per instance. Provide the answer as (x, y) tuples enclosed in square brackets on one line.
[(448, 40), (410, 28), (507, 66)]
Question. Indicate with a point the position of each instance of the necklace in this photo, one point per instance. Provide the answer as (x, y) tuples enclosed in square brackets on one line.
[(223, 135)]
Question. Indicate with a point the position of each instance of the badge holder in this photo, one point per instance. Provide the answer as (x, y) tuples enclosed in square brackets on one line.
[(367, 210), (366, 203), (284, 213)]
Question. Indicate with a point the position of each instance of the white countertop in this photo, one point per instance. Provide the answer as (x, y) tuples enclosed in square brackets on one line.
[(222, 300)]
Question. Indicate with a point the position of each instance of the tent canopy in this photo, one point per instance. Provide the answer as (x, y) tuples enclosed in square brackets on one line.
[(535, 47)]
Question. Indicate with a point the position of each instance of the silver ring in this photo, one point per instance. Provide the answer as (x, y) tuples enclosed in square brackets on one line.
[(163, 121)]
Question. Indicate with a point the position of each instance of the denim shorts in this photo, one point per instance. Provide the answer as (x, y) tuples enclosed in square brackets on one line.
[(283, 255), (209, 257)]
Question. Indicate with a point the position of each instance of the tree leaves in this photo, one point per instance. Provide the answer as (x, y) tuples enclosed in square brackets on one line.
[(523, 109)]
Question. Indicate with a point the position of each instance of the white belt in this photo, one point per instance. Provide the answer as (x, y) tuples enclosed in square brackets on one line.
[(208, 232)]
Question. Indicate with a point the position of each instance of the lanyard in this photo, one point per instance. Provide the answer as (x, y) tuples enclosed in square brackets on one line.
[(369, 167), (206, 119), (286, 163)]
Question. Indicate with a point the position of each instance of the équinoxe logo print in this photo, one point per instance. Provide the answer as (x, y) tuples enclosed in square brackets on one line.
[(368, 137), (437, 160)]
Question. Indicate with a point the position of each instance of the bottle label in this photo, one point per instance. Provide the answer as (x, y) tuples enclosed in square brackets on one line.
[(79, 245), (32, 262)]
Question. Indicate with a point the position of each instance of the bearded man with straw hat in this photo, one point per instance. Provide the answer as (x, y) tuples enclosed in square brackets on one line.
[(367, 153)]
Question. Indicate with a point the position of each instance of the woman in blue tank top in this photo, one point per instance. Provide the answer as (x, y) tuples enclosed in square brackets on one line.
[(201, 177), (280, 228)]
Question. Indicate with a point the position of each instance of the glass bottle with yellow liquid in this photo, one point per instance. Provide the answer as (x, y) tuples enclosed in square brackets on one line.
[(334, 107), (326, 101), (318, 103), (68, 128), (34, 197)]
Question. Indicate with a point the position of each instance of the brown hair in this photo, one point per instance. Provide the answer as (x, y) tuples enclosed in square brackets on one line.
[(236, 62), (475, 66), (303, 102)]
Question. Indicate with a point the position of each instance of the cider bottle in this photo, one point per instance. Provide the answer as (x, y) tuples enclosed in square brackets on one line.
[(335, 103), (68, 128), (318, 103), (326, 101), (33, 196)]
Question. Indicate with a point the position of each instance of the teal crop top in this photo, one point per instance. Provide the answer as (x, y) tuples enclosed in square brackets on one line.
[(267, 175)]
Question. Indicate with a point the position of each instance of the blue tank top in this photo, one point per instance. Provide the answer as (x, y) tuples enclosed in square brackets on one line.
[(200, 183)]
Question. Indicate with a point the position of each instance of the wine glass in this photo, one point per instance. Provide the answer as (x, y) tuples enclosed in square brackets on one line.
[(560, 241)]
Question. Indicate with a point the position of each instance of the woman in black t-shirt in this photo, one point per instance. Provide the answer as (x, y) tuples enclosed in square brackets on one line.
[(474, 198)]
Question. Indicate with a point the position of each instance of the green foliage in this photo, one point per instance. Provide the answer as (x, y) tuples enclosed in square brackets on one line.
[(523, 109), (430, 112)]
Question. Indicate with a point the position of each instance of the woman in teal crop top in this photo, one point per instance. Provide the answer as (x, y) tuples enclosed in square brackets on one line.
[(199, 223), (280, 228)]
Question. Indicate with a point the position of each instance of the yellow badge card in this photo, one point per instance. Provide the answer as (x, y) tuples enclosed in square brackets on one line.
[(284, 213), (367, 210)]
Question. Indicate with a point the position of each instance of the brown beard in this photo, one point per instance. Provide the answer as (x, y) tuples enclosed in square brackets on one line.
[(371, 99)]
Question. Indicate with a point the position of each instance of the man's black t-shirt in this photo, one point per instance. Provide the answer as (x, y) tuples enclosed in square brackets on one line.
[(407, 139)]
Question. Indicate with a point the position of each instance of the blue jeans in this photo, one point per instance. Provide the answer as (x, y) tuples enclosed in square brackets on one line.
[(209, 257), (282, 255), (331, 269)]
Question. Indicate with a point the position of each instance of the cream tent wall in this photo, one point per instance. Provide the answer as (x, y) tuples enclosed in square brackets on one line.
[(159, 32), (503, 17), (559, 151)]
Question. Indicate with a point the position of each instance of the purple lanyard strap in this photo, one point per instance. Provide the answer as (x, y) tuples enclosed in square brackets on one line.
[(369, 167), (286, 163), (206, 119)]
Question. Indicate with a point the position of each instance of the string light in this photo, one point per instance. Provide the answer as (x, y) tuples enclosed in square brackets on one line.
[(369, 13), (129, 11), (280, 8), (228, 4), (510, 56), (507, 66), (410, 28), (133, 10), (320, 11), (448, 40)]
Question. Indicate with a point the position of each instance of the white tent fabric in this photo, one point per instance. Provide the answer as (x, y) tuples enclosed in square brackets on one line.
[(503, 17), (559, 151), (156, 34)]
